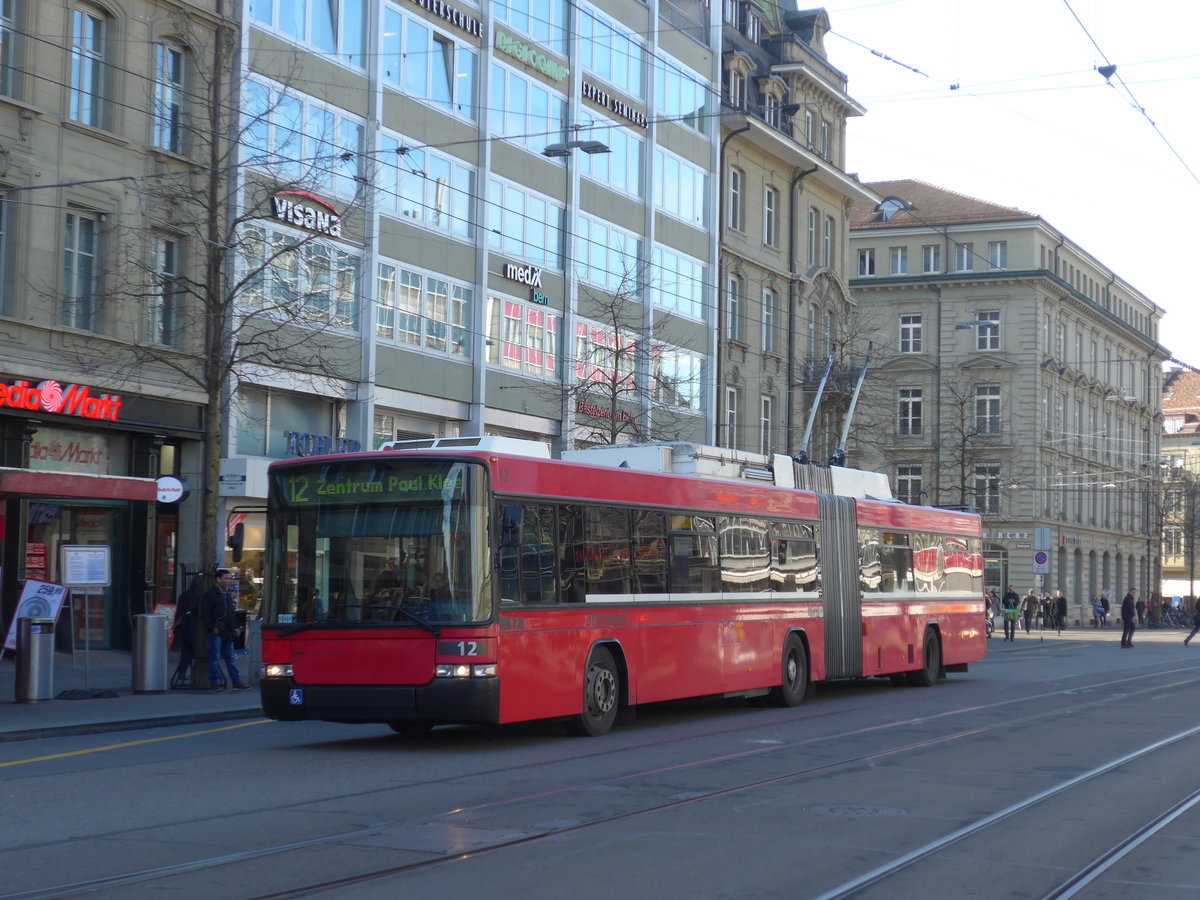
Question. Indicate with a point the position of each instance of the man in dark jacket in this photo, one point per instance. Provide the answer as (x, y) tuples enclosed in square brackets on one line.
[(1060, 610), (220, 623), (1128, 622), (184, 628)]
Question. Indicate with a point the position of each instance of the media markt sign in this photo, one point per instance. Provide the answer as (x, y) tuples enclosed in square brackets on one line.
[(69, 400)]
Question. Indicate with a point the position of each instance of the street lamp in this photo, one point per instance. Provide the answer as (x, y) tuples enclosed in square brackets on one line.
[(564, 148)]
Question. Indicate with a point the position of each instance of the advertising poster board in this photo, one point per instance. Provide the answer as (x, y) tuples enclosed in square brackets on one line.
[(39, 599)]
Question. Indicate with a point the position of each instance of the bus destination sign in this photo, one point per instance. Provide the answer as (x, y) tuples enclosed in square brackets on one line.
[(368, 486)]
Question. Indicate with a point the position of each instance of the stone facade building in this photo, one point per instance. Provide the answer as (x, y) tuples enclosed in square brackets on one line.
[(1018, 376), (785, 201)]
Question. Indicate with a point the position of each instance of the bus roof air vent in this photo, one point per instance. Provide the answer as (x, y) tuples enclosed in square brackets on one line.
[(486, 443)]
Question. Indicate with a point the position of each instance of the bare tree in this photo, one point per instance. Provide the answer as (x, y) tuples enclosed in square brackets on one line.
[(623, 382)]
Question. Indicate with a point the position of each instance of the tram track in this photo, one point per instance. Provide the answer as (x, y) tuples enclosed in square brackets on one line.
[(1152, 684)]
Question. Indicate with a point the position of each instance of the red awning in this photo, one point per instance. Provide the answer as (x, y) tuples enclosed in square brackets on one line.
[(30, 483)]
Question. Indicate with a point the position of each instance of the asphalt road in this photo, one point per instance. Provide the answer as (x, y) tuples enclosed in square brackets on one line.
[(1057, 768)]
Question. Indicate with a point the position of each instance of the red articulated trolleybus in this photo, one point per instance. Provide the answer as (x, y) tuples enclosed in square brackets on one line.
[(478, 580)]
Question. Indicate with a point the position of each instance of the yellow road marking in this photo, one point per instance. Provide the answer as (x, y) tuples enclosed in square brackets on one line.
[(176, 737)]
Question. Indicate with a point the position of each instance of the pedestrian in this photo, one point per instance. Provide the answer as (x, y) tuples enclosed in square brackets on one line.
[(1029, 609), (1140, 606), (1060, 610), (1195, 625), (1128, 611), (1047, 615), (183, 627), (220, 627), (1097, 612), (1107, 609), (1011, 605)]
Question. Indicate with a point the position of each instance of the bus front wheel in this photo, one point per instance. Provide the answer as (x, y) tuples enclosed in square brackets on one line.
[(601, 695), (795, 674)]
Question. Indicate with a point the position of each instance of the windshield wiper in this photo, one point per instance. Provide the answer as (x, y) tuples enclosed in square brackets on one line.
[(428, 626)]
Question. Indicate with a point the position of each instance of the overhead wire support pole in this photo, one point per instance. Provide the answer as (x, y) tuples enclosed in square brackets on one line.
[(802, 456), (839, 457)]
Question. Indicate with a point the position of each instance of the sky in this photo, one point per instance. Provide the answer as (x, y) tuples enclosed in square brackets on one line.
[(1033, 124)]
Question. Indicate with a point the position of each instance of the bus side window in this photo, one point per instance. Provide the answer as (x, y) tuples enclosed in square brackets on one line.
[(508, 555), (539, 559), (574, 553), (649, 552), (607, 549)]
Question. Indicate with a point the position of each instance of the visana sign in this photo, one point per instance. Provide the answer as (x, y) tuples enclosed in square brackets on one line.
[(52, 397), (307, 211)]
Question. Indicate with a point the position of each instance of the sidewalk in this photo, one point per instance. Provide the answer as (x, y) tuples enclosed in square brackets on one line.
[(104, 679)]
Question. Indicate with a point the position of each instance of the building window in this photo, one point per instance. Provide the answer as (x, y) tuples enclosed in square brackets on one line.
[(773, 111), (296, 139), (680, 188), (737, 215), (605, 357), (987, 487), (677, 283), (768, 320), (429, 65), (524, 224), (168, 97), (899, 260), (610, 52), (88, 39), (814, 235), (730, 10), (423, 310), (731, 412), (931, 259), (908, 419), (166, 300), (771, 217), (751, 25), (735, 88), (677, 377), (383, 429), (7, 45), (527, 114), (334, 27), (291, 276), (809, 129), (1173, 542), (81, 250), (424, 187), (522, 337), (765, 425), (620, 169), (680, 94), (733, 309), (866, 263), (987, 329), (823, 147), (987, 409), (607, 256), (908, 483), (911, 333), (964, 257), (998, 254), (827, 243)]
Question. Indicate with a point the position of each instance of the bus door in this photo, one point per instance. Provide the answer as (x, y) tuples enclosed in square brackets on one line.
[(840, 589)]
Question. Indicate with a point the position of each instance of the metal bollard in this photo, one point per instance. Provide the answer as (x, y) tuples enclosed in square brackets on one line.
[(35, 659), (150, 653)]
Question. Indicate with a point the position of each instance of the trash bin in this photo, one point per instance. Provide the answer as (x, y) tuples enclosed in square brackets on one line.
[(150, 653), (35, 659)]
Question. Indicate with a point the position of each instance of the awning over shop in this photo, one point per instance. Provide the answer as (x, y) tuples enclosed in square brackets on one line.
[(30, 483), (1178, 587)]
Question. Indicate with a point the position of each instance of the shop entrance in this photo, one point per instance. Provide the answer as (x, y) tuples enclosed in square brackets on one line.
[(53, 524)]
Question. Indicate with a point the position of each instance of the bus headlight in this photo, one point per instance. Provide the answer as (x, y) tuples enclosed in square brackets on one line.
[(276, 670), (463, 670)]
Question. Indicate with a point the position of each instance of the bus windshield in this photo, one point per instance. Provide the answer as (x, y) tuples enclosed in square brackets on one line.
[(390, 541)]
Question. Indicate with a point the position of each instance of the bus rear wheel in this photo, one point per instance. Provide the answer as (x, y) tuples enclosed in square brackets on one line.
[(927, 675), (601, 695), (795, 674)]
